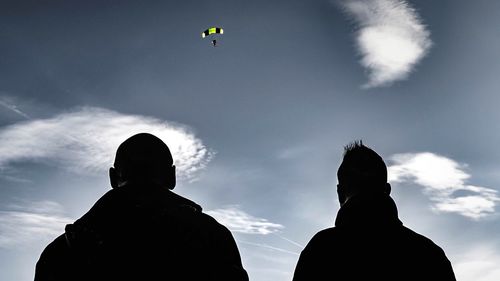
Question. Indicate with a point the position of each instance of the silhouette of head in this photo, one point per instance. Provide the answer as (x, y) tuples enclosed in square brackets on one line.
[(362, 171), (143, 158)]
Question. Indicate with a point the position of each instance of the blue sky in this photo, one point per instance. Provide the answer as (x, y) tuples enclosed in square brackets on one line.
[(257, 124)]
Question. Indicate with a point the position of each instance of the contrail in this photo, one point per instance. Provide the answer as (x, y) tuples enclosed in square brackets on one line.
[(290, 241), (14, 108), (269, 247)]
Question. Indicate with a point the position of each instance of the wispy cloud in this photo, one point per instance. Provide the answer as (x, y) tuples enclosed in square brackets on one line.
[(85, 140), (23, 224), (269, 247), (445, 181), (4, 101), (300, 246), (239, 221), (478, 264), (390, 38)]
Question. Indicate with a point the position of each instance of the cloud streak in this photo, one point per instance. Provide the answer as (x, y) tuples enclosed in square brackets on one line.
[(390, 38), (85, 140), (478, 264), (269, 247), (13, 108), (445, 181), (239, 221), (21, 225)]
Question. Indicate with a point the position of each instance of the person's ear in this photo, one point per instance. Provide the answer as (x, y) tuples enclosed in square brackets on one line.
[(113, 177), (387, 188), (171, 178)]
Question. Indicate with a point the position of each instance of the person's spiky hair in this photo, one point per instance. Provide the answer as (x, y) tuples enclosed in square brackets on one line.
[(361, 166), (352, 146)]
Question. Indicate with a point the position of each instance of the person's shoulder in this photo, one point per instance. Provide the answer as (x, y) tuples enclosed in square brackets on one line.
[(184, 202), (54, 253), (411, 234), (57, 245), (323, 237), (104, 205), (195, 211), (429, 255), (421, 241), (110, 196), (213, 223), (327, 233)]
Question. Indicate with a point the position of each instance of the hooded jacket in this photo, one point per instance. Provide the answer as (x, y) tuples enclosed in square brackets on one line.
[(369, 242), (130, 234)]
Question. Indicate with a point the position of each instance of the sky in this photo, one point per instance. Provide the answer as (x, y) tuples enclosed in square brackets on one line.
[(257, 124)]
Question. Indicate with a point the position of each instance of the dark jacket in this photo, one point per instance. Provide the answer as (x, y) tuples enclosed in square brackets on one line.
[(132, 235), (369, 242)]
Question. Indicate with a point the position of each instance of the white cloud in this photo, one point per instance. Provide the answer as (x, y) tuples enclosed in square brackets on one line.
[(446, 183), (85, 140), (478, 264), (21, 225), (239, 221), (428, 169), (390, 37)]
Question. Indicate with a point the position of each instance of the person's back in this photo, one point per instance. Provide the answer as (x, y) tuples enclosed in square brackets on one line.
[(140, 230), (369, 242)]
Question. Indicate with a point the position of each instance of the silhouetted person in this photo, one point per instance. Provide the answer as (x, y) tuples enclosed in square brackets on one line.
[(369, 242), (140, 230)]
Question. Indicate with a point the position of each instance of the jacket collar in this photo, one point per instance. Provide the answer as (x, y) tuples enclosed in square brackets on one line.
[(130, 196), (369, 210), (142, 194)]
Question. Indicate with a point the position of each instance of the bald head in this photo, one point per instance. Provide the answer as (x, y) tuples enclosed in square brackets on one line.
[(144, 158)]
